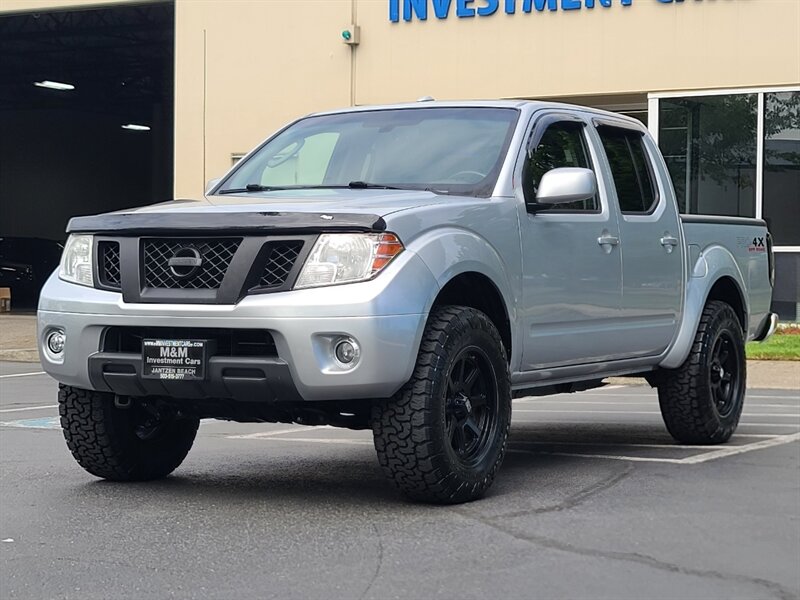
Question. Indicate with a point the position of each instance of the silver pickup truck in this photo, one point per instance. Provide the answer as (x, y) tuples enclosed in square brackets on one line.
[(408, 269)]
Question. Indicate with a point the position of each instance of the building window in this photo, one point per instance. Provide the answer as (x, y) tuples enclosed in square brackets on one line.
[(710, 146), (782, 166)]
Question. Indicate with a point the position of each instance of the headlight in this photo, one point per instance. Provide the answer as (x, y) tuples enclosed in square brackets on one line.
[(347, 258), (76, 261)]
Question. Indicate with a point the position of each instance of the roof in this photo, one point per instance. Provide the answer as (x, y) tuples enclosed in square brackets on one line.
[(532, 105)]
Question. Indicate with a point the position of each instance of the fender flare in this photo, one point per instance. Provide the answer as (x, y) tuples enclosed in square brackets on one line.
[(713, 264), (451, 251)]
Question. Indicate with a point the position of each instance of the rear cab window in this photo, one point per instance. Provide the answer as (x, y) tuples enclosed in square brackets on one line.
[(630, 168)]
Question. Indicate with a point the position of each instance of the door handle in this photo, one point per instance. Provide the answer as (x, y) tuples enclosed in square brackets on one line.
[(608, 240), (669, 242)]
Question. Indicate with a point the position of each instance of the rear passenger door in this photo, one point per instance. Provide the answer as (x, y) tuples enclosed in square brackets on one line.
[(650, 241)]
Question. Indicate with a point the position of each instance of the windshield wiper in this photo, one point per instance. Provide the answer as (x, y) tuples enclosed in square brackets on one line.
[(255, 187), (363, 185), (353, 185)]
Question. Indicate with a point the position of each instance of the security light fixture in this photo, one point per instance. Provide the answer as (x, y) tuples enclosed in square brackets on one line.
[(54, 85), (135, 127), (351, 35)]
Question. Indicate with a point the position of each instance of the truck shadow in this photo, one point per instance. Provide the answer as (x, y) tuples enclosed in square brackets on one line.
[(324, 475)]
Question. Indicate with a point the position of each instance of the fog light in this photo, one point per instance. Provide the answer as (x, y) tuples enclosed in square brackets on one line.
[(56, 341), (347, 352)]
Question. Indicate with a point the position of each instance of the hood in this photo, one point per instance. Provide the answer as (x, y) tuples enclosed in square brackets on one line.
[(374, 202)]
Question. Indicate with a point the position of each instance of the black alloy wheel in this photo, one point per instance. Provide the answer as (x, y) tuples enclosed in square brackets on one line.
[(724, 376), (471, 405)]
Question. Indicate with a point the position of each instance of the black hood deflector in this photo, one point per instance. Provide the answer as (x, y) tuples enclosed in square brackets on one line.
[(158, 223)]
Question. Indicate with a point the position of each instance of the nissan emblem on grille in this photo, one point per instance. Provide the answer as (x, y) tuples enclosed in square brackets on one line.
[(185, 262), (198, 263)]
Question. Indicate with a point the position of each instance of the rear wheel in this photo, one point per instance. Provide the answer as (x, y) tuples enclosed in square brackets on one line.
[(442, 437), (702, 400), (135, 443)]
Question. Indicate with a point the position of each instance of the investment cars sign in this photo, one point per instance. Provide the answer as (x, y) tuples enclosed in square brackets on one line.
[(442, 9)]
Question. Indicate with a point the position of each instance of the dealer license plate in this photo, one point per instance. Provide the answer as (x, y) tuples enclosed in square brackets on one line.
[(180, 360)]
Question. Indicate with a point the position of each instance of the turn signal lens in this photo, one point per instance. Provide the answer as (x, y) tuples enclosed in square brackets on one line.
[(388, 247)]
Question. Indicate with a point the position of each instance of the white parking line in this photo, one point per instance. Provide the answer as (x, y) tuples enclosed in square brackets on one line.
[(632, 412), (689, 460), (653, 402), (734, 450), (348, 441), (702, 457), (268, 434), (653, 392), (21, 375), (674, 446), (8, 410)]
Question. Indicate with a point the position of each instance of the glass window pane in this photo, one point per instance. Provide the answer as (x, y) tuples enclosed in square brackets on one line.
[(626, 157), (709, 144), (646, 185), (562, 145), (782, 166)]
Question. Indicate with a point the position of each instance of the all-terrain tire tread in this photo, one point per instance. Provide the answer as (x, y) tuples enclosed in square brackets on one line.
[(104, 452), (405, 428), (683, 393)]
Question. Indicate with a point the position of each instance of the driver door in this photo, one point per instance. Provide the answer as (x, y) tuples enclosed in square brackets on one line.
[(572, 268)]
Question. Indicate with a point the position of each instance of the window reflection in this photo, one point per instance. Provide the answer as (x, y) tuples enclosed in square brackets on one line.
[(709, 144), (782, 166)]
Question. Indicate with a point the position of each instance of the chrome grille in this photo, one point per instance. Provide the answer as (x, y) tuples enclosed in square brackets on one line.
[(280, 259), (216, 255), (109, 263)]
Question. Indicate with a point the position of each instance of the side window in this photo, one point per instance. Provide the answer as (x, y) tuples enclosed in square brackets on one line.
[(630, 167), (562, 145)]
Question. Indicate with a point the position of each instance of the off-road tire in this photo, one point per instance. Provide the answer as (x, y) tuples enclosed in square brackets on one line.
[(410, 430), (686, 394), (103, 438)]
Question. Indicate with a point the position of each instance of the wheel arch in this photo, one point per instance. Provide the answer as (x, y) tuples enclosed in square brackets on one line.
[(478, 291), (715, 276), (727, 290)]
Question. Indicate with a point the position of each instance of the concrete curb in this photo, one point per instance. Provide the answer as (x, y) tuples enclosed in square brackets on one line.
[(20, 355)]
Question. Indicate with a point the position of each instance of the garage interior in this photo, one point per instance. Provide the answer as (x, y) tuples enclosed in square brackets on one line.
[(86, 124)]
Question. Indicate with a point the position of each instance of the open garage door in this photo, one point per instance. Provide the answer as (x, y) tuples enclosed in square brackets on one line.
[(86, 126)]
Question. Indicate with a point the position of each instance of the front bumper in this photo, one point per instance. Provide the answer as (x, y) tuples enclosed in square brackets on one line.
[(386, 316)]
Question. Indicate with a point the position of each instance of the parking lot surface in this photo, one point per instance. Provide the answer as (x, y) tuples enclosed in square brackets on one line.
[(594, 500)]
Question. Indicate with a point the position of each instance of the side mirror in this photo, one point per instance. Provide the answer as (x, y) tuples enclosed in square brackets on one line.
[(211, 184), (564, 185)]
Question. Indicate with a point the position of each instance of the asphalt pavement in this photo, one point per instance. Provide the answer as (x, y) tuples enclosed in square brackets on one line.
[(594, 500)]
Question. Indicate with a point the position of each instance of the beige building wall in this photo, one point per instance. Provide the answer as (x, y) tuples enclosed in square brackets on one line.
[(648, 46), (270, 61), (245, 67)]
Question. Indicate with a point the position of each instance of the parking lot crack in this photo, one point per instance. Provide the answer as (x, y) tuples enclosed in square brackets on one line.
[(577, 498), (378, 563), (774, 588)]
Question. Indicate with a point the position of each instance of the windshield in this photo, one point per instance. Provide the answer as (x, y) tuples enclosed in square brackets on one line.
[(444, 150)]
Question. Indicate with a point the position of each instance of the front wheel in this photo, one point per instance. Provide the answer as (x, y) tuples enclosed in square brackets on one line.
[(442, 437), (701, 401), (135, 443)]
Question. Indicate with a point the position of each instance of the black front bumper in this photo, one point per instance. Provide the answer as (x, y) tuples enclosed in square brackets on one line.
[(242, 378)]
